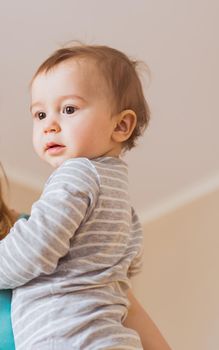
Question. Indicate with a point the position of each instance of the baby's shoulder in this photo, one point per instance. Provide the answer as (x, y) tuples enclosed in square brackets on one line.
[(75, 173), (76, 166)]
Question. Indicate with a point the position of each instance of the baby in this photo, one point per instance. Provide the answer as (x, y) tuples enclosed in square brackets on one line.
[(70, 263)]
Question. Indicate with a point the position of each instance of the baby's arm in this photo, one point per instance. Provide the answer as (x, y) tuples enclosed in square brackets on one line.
[(139, 320), (35, 246)]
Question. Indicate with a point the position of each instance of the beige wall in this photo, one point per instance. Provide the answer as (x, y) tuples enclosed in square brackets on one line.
[(179, 284), (21, 197)]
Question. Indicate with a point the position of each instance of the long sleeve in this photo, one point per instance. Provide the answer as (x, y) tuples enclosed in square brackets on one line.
[(34, 246)]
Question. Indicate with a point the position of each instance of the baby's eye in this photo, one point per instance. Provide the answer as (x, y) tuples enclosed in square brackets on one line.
[(40, 115), (69, 109)]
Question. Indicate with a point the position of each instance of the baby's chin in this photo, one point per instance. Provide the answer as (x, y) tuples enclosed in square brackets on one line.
[(56, 162)]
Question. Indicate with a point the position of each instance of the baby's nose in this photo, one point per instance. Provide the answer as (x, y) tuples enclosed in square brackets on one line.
[(52, 126)]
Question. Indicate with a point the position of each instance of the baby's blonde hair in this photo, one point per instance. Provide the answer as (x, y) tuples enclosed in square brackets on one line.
[(6, 219), (120, 75)]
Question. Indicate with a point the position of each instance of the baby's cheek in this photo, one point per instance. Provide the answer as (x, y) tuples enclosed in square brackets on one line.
[(36, 144)]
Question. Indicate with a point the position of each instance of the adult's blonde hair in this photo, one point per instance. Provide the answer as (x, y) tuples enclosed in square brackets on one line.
[(120, 75), (6, 218)]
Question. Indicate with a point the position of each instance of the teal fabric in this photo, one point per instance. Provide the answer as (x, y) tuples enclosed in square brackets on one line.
[(6, 333), (25, 216)]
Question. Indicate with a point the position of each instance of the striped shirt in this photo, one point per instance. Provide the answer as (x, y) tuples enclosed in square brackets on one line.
[(70, 263)]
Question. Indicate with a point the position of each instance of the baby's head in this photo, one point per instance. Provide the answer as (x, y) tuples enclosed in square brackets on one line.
[(87, 101)]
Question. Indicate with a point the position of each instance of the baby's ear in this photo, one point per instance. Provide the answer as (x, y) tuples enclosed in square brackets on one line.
[(125, 124)]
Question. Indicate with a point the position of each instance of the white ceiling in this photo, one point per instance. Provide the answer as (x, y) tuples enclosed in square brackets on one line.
[(178, 156)]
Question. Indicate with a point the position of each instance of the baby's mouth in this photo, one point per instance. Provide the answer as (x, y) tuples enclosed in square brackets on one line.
[(54, 148)]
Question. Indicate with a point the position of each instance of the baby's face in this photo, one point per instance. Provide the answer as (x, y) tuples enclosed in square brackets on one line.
[(71, 114)]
